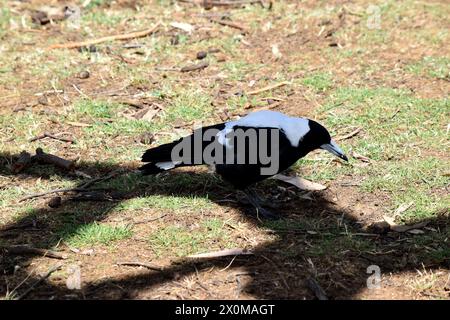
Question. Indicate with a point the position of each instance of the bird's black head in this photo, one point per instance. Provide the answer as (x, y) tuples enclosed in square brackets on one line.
[(318, 137)]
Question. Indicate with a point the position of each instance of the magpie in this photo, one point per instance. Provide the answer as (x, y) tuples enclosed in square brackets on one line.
[(245, 151)]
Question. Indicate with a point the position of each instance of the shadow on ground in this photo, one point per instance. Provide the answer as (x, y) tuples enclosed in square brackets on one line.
[(315, 238)]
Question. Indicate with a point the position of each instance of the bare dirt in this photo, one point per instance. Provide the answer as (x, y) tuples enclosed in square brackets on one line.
[(283, 260)]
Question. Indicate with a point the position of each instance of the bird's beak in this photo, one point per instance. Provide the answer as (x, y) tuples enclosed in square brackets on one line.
[(333, 148)]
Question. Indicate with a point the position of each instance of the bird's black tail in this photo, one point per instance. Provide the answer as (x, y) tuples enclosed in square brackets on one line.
[(150, 168), (159, 158)]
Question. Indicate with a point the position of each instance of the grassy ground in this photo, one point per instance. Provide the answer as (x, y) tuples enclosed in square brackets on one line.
[(378, 67)]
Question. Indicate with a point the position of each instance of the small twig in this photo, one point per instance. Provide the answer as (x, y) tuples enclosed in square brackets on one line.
[(79, 91), (360, 234), (212, 3), (99, 179), (229, 265), (48, 274), (140, 264), (395, 113), (81, 188), (95, 196), (222, 253), (40, 194), (82, 174), (317, 289), (349, 135), (229, 24), (25, 249), (193, 67), (48, 158), (49, 135), (150, 219), (87, 43), (281, 84)]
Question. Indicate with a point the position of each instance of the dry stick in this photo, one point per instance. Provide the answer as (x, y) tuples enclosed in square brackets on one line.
[(317, 289), (82, 188), (40, 194), (49, 135), (93, 181), (193, 67), (222, 3), (149, 219), (222, 253), (25, 249), (139, 264), (132, 35), (48, 158), (21, 163), (349, 135), (281, 84), (229, 24), (48, 274)]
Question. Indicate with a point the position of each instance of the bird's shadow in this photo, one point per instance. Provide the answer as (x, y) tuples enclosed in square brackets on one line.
[(314, 239)]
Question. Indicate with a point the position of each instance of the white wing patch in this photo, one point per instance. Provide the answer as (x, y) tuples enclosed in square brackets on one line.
[(167, 165), (294, 128)]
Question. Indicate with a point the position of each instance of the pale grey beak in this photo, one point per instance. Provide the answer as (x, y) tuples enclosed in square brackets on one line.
[(333, 148)]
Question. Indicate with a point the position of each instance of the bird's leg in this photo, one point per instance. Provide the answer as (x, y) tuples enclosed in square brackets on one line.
[(262, 202), (256, 201)]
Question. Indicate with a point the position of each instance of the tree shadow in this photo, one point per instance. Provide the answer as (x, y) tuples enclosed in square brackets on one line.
[(316, 238)]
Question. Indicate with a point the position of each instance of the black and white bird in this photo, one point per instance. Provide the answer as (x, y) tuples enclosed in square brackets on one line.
[(230, 153)]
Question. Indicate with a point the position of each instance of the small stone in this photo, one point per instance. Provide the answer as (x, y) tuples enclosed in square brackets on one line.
[(201, 55), (84, 74), (54, 202), (147, 138), (221, 58), (175, 40), (43, 100)]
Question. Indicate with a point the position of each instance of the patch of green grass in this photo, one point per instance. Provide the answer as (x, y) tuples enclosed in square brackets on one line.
[(333, 246), (320, 81), (94, 234), (286, 224), (100, 18), (5, 16), (96, 109), (183, 241), (174, 203), (188, 106), (398, 131), (435, 67), (98, 3)]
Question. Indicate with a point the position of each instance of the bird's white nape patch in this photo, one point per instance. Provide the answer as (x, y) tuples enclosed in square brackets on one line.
[(222, 137), (167, 165), (294, 128)]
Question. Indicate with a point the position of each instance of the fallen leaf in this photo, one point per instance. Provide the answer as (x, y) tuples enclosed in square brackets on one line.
[(403, 228), (300, 183), (150, 114), (402, 208), (79, 124), (189, 28), (276, 51)]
